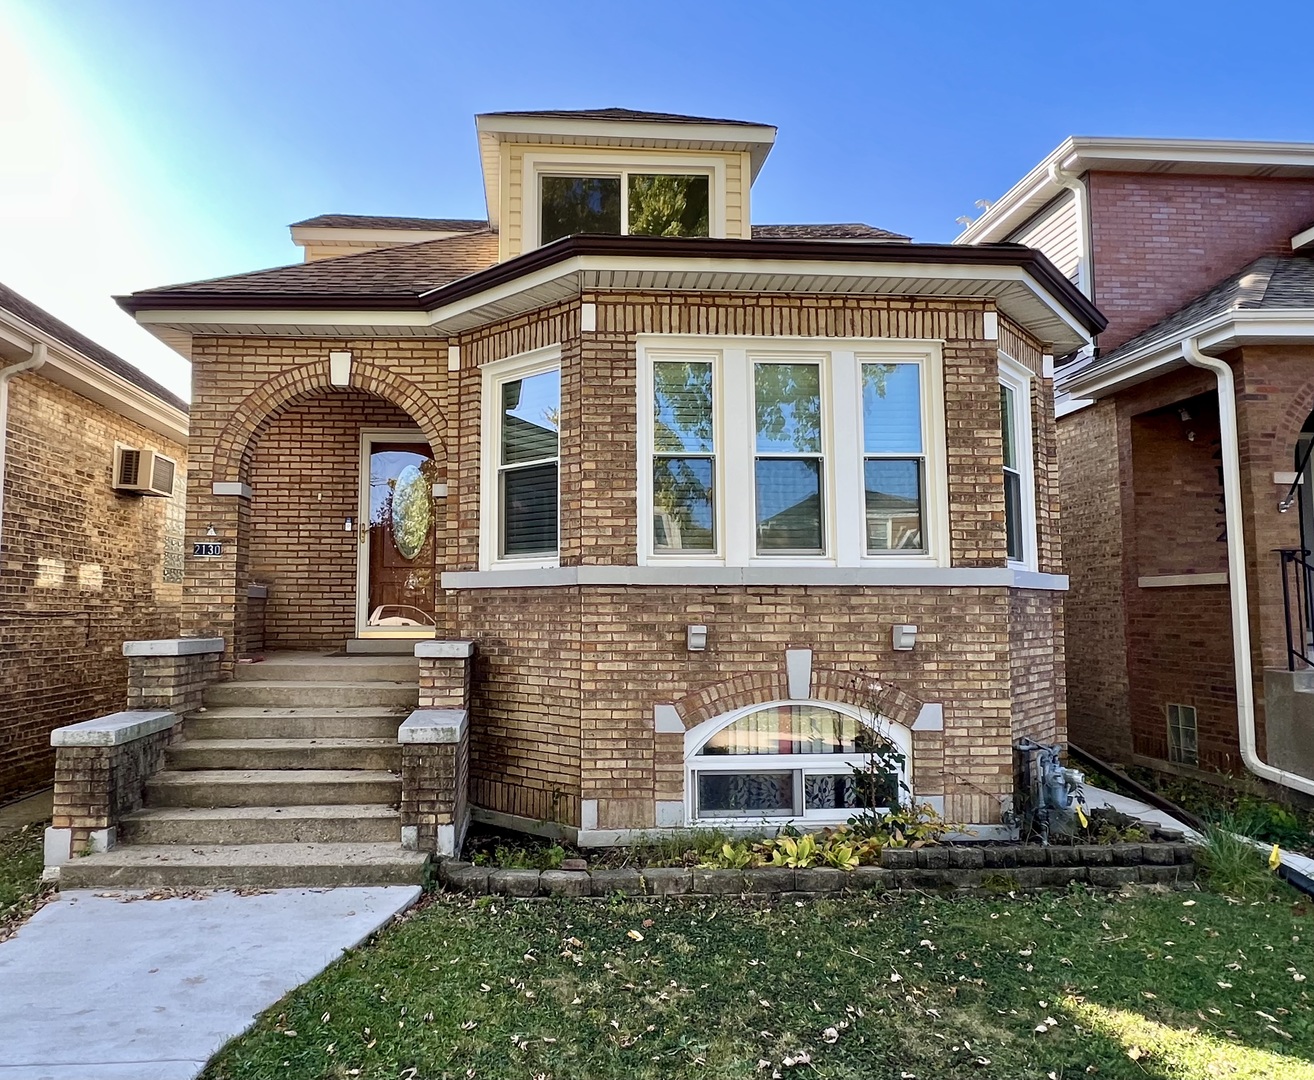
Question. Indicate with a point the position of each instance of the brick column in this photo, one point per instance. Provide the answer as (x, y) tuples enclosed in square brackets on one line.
[(171, 674), (102, 765), (435, 750)]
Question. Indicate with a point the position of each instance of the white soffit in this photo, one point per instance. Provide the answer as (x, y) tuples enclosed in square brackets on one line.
[(1079, 154)]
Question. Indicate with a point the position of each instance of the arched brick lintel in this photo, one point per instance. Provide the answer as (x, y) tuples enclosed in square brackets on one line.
[(236, 444), (847, 687)]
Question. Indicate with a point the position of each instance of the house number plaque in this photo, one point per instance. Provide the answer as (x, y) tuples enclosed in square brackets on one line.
[(207, 550)]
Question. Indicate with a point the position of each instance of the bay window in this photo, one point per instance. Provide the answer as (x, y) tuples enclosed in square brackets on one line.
[(823, 452), (519, 496)]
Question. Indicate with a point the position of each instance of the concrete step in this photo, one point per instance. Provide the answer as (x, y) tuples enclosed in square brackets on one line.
[(330, 669), (262, 722), (263, 754), (381, 646), (314, 695), (269, 866), (347, 824), (273, 787)]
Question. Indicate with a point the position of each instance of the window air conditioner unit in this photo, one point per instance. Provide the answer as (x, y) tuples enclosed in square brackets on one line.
[(143, 472)]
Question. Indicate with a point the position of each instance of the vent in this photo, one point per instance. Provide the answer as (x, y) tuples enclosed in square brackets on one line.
[(143, 472)]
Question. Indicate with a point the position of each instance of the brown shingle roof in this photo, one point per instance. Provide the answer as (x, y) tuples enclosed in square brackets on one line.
[(850, 231), (40, 318), (616, 113), (405, 270), (371, 221)]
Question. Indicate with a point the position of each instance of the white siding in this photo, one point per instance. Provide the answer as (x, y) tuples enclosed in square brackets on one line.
[(1055, 232)]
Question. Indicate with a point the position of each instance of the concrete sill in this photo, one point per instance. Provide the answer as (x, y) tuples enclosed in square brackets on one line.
[(433, 726), (174, 647)]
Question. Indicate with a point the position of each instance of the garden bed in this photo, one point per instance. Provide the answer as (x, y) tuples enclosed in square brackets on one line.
[(951, 867)]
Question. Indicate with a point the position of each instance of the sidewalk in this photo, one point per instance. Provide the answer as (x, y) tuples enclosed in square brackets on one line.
[(96, 988)]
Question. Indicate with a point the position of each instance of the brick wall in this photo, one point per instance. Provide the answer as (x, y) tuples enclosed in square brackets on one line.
[(1157, 242), (81, 570), (305, 471), (241, 386)]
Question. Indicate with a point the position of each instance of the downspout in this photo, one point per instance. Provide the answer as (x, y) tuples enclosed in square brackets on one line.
[(1078, 189), (33, 362), (1236, 572)]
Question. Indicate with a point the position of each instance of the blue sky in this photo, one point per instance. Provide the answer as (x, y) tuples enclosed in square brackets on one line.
[(149, 141)]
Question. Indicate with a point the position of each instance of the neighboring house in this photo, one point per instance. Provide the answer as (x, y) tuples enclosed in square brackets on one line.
[(84, 561), (1201, 255), (618, 412)]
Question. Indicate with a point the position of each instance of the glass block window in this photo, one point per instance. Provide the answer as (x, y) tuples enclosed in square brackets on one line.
[(1183, 745)]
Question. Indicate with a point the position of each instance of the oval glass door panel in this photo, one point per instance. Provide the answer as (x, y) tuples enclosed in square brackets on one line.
[(412, 511)]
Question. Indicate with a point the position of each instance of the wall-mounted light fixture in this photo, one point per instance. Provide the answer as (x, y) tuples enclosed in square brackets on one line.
[(210, 531), (904, 636), (696, 638)]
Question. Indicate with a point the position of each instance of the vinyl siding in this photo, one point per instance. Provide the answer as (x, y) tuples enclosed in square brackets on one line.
[(1055, 232)]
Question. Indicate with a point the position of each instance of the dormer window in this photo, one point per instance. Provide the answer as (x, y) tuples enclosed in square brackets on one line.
[(624, 203)]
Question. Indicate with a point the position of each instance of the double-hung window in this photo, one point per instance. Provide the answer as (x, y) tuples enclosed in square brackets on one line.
[(519, 496), (761, 451), (1019, 479)]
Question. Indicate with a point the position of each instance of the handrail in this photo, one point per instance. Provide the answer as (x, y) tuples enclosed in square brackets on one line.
[(1297, 573)]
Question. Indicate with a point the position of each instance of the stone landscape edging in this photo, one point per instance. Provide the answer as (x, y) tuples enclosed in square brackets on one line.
[(941, 868)]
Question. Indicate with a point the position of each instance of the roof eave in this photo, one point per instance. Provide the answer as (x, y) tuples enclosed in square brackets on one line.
[(1217, 333)]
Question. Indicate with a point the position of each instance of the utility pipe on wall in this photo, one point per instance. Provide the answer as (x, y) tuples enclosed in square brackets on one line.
[(1236, 572), (33, 362), (1078, 189)]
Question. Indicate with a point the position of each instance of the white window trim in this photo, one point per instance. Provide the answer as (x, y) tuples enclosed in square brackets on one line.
[(1018, 379), (617, 163), (494, 375), (844, 530), (827, 764)]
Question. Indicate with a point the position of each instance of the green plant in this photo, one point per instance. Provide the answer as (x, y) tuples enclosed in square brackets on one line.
[(1271, 822), (733, 856), (1232, 864), (798, 853), (908, 826), (842, 856)]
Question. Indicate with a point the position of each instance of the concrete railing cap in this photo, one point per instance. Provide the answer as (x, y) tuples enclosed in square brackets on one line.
[(114, 729), (433, 726), (444, 650), (185, 646)]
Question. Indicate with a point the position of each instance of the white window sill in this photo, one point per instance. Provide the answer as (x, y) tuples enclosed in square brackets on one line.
[(929, 576)]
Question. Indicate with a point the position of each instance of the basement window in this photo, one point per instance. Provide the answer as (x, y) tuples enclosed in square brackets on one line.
[(1182, 735), (786, 761)]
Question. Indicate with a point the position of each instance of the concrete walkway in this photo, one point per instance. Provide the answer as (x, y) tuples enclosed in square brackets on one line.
[(1097, 797), (96, 988)]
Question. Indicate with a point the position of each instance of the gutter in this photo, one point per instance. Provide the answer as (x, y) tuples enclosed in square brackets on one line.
[(1236, 572), (1085, 280), (36, 360), (656, 248)]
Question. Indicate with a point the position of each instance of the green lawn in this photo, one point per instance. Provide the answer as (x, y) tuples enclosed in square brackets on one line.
[(21, 861), (1152, 985)]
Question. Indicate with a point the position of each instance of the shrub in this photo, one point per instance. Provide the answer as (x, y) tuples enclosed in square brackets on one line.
[(1233, 865)]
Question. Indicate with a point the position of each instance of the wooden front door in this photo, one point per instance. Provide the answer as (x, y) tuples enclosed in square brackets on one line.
[(398, 572)]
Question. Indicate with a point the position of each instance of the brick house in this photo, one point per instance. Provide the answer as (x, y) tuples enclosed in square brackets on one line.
[(83, 562), (715, 503), (1201, 256)]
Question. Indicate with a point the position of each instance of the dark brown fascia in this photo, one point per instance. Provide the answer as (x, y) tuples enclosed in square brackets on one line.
[(1045, 273)]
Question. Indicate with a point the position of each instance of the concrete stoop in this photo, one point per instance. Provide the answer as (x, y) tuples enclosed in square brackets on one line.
[(289, 776)]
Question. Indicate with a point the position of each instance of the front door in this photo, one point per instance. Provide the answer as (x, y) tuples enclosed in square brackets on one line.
[(397, 579)]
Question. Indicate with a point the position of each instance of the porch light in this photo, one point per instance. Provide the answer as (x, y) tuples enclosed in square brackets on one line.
[(210, 531), (696, 638)]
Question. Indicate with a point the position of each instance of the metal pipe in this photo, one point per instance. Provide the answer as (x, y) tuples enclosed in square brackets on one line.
[(33, 362), (1236, 571)]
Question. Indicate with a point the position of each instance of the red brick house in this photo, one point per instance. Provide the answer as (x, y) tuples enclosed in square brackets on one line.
[(85, 557), (712, 500), (1183, 443)]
